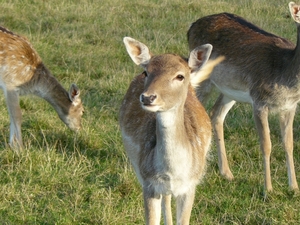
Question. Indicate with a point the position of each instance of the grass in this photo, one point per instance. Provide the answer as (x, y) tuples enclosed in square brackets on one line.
[(61, 178)]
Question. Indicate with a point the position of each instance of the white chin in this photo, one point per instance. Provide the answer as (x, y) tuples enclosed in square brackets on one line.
[(150, 108)]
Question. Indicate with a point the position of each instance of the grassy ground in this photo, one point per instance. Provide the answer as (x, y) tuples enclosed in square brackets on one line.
[(61, 178)]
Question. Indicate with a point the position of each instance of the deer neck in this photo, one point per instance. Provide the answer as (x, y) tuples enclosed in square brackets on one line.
[(48, 88), (170, 130)]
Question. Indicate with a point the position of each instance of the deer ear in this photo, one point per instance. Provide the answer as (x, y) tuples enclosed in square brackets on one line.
[(295, 11), (199, 56), (74, 94), (138, 51)]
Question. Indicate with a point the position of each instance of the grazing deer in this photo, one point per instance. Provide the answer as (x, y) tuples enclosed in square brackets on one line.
[(23, 72), (259, 68), (165, 129)]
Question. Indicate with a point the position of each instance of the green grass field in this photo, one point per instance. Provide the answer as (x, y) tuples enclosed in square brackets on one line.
[(61, 178)]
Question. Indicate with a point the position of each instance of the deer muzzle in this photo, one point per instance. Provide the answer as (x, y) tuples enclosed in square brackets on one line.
[(147, 99)]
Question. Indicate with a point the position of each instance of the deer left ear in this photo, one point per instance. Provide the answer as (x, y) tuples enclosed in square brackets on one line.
[(74, 94)]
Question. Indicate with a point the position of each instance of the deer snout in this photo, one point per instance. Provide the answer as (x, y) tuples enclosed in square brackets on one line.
[(147, 99)]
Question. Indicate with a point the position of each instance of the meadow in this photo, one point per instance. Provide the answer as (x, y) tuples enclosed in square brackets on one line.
[(63, 178)]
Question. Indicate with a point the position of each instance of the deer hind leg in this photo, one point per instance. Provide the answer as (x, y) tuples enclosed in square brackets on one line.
[(286, 126), (14, 110), (152, 204), (218, 114), (262, 125), (184, 207), (167, 211)]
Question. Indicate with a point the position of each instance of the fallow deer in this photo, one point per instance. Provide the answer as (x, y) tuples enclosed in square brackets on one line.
[(260, 68), (23, 72), (166, 131)]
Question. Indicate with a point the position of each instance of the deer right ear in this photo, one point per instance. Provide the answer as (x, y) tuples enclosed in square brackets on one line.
[(138, 51)]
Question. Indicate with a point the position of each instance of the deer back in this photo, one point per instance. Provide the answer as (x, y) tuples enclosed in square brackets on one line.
[(242, 43), (18, 60)]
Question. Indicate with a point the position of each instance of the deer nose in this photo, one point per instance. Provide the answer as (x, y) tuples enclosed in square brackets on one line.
[(147, 100)]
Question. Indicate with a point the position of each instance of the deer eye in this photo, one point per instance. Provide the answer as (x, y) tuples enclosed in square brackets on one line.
[(179, 77)]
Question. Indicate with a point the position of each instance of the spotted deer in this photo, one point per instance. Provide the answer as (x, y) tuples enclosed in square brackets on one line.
[(23, 72), (166, 131), (261, 69)]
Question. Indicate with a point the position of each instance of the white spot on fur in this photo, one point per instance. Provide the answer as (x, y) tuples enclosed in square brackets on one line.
[(27, 68)]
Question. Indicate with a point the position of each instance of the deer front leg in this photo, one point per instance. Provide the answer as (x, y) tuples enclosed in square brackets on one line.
[(152, 204), (286, 126), (184, 207), (14, 110), (262, 126), (218, 114), (167, 210)]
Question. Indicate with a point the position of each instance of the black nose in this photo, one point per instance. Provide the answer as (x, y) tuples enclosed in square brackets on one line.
[(147, 100)]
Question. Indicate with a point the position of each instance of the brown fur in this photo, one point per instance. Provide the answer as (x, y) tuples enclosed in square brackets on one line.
[(259, 68)]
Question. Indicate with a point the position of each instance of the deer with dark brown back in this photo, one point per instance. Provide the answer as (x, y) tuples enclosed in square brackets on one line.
[(23, 72), (166, 131), (259, 68)]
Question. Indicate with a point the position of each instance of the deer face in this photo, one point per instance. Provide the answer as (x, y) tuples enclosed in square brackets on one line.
[(168, 75), (73, 119), (166, 80)]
